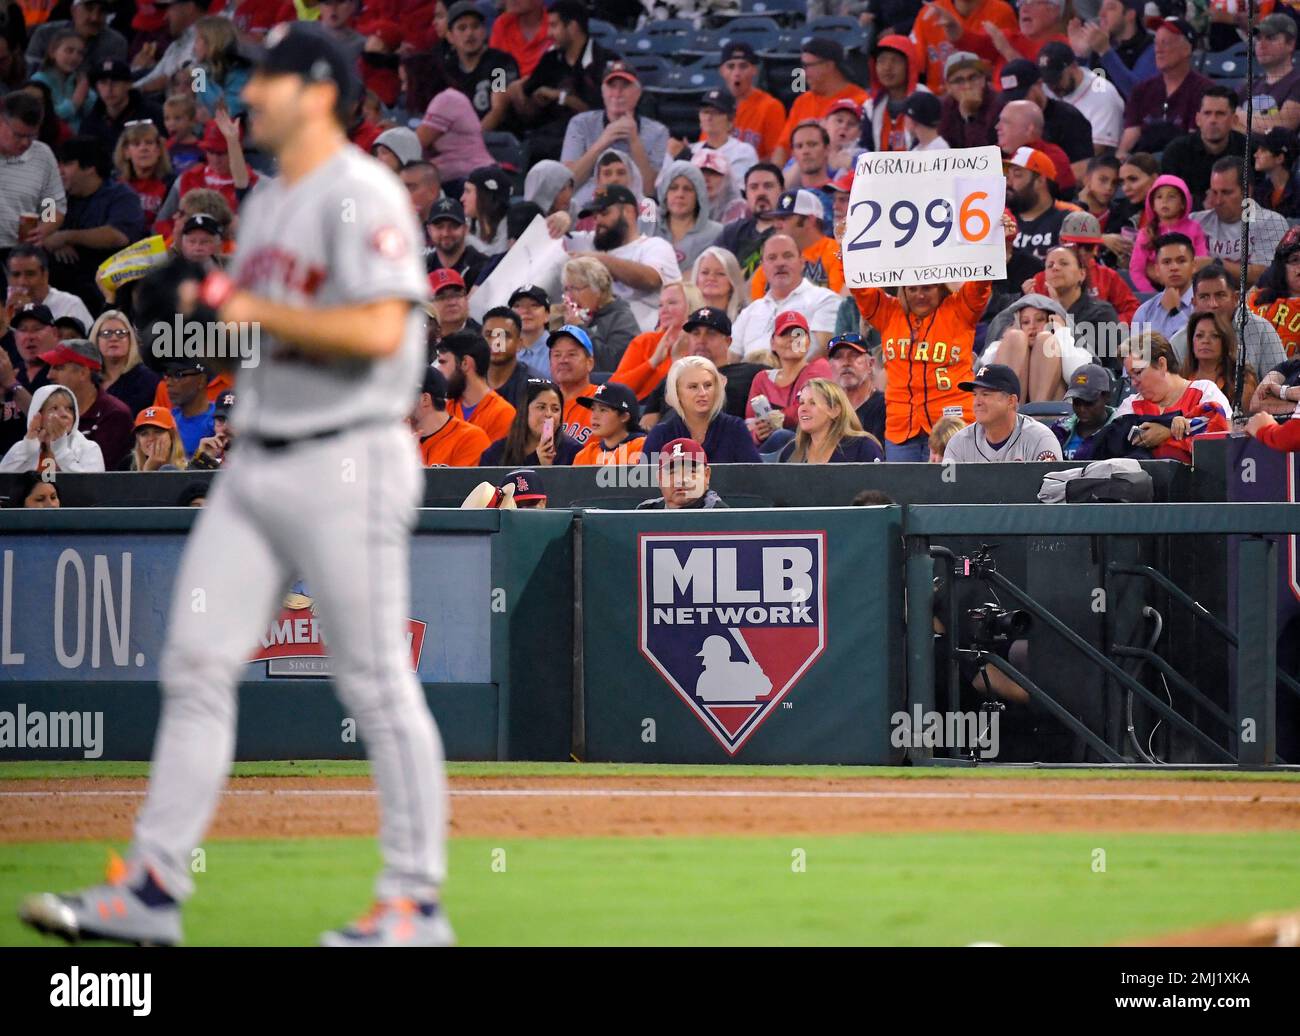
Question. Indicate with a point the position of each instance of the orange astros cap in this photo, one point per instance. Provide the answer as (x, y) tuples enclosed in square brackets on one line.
[(157, 417), (1035, 161)]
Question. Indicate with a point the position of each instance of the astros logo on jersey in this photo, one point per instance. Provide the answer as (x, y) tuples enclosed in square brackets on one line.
[(732, 621)]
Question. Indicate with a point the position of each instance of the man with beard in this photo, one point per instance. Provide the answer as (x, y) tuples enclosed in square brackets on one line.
[(1029, 197), (744, 238), (476, 68), (447, 232), (639, 266), (855, 370), (464, 359)]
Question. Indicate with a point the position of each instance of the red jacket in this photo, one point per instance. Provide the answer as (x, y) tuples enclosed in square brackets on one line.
[(1284, 437), (1105, 284)]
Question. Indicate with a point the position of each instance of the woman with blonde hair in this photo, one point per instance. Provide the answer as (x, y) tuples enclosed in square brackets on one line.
[(216, 55), (649, 355), (717, 274), (142, 163), (589, 302), (829, 430), (158, 445), (125, 376), (696, 392)]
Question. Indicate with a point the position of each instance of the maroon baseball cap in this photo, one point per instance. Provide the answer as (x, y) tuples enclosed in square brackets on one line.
[(682, 450)]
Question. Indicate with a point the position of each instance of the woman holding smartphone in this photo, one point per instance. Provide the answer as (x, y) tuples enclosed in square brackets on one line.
[(536, 436)]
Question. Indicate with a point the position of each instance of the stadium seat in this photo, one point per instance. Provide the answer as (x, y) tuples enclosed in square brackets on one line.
[(1047, 411), (650, 67), (759, 39), (705, 43), (506, 150), (788, 11), (785, 47), (1227, 64), (602, 32), (690, 79), (671, 27)]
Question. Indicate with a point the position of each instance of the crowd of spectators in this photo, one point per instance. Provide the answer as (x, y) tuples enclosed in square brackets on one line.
[(701, 299)]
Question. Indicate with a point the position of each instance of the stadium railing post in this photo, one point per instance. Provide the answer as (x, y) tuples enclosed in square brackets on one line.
[(920, 634), (1256, 661)]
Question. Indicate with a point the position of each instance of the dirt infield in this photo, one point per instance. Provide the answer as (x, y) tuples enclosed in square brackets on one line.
[(102, 809)]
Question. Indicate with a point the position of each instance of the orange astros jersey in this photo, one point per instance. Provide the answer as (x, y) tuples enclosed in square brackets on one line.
[(457, 444), (493, 414), (627, 452), (1284, 315), (926, 358)]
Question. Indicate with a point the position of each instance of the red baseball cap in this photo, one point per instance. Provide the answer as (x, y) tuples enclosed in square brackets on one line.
[(682, 450), (74, 350), (845, 104), (844, 182), (157, 416), (440, 279), (790, 318), (213, 139)]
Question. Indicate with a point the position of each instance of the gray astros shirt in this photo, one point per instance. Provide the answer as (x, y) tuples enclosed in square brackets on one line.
[(344, 234), (1029, 441)]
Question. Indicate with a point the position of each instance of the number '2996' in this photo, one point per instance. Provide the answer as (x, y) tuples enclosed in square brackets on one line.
[(905, 217)]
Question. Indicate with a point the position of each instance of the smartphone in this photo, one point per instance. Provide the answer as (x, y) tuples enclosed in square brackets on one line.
[(1134, 434), (548, 429)]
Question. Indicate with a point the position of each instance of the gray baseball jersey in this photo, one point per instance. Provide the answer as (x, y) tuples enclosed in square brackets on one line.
[(344, 234), (1029, 441)]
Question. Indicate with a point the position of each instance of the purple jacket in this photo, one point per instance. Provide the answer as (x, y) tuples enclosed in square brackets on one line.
[(727, 442)]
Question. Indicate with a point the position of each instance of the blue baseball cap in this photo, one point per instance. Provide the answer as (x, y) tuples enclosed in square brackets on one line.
[(576, 333)]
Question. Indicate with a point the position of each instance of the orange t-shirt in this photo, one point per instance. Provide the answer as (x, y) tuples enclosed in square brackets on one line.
[(921, 376), (820, 265), (508, 35), (217, 387), (594, 452), (932, 42), (493, 414), (457, 444), (1284, 315), (760, 117), (634, 368), (809, 105), (577, 418)]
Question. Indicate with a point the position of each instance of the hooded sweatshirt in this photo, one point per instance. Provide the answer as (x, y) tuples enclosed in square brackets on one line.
[(544, 183), (73, 452), (886, 116), (704, 232), (587, 191), (402, 142), (1144, 247), (1072, 356)]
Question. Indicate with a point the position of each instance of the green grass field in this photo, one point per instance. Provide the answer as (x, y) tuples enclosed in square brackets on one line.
[(900, 890)]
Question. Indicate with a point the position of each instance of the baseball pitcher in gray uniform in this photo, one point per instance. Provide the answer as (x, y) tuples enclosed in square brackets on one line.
[(329, 266)]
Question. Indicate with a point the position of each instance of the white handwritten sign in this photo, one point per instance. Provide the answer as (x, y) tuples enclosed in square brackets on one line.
[(926, 217)]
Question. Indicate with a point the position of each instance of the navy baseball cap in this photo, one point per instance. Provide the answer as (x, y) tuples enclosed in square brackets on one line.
[(531, 291), (225, 404), (113, 69), (306, 49), (1089, 383), (572, 331), (1055, 58), (923, 108), (709, 316), (34, 311), (719, 100), (996, 376), (202, 221), (849, 340), (435, 382), (738, 50), (447, 208), (528, 486), (613, 194), (1017, 77), (616, 397), (1180, 26)]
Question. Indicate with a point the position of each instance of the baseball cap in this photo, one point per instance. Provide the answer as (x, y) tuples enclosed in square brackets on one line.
[(738, 50), (34, 311), (996, 376), (157, 417), (612, 194), (434, 383), (491, 179), (711, 160), (201, 221), (620, 70), (528, 485), (922, 108), (1089, 383), (851, 340), (307, 50), (185, 367), (682, 450), (790, 318), (799, 202), (119, 71), (440, 279), (74, 350), (1055, 58), (845, 104), (1181, 26), (1017, 77), (225, 403), (212, 139), (71, 324), (709, 316), (616, 397), (571, 331), (531, 291), (844, 181), (1035, 161), (964, 59), (719, 100), (461, 8), (821, 47), (1081, 228), (1278, 140), (447, 208), (1277, 25)]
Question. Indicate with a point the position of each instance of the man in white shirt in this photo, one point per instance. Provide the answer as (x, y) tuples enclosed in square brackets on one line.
[(1094, 95), (28, 269), (921, 122), (181, 16), (640, 266), (782, 266), (1000, 433), (1221, 221)]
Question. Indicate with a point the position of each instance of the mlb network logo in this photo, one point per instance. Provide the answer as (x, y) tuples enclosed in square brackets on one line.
[(732, 621)]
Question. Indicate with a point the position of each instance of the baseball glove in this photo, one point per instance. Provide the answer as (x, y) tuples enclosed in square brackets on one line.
[(175, 314)]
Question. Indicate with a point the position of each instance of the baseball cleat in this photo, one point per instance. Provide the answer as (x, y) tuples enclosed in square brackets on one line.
[(396, 922), (146, 916)]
